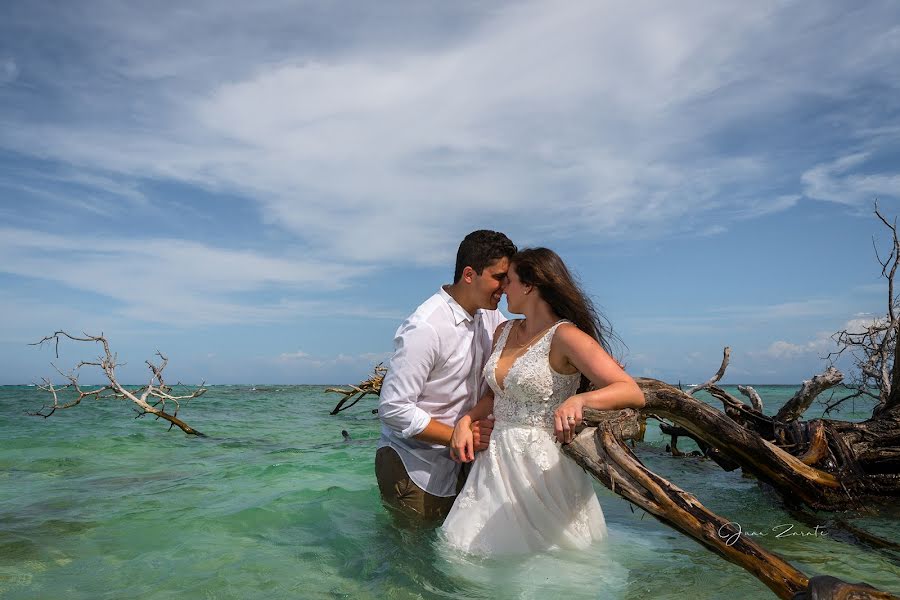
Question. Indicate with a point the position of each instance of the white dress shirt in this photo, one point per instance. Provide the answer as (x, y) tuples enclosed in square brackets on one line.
[(435, 373)]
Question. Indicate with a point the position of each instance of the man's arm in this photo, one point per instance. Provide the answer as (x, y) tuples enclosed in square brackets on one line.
[(436, 433), (416, 349)]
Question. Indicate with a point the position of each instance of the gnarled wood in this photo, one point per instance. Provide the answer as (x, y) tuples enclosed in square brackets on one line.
[(811, 388), (615, 466), (826, 587), (755, 455), (150, 399), (818, 445), (372, 385), (626, 424), (726, 355), (753, 396)]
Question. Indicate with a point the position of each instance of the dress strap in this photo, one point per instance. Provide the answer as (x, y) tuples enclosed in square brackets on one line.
[(504, 335), (547, 339)]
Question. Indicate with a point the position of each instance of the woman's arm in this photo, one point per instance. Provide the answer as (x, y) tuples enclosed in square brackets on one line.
[(615, 388)]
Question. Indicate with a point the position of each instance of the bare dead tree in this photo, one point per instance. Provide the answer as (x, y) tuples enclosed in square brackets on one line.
[(873, 348), (156, 398)]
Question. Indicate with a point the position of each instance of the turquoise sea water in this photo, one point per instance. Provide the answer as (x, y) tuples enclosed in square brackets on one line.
[(275, 504)]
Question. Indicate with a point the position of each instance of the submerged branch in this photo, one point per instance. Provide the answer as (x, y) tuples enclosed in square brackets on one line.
[(150, 399), (372, 385)]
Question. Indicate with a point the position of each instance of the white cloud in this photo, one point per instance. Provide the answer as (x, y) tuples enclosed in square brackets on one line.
[(784, 310), (9, 71), (836, 181), (784, 350), (612, 112), (289, 356), (724, 319), (175, 281), (861, 322)]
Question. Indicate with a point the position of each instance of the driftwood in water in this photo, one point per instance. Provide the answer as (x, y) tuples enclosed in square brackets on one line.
[(600, 450), (607, 458), (822, 463), (155, 398), (795, 407), (372, 385)]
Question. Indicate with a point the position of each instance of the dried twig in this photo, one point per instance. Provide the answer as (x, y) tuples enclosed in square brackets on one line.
[(150, 399), (726, 355), (372, 385)]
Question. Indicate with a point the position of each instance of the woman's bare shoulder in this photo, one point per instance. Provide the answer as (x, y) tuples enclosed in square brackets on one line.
[(568, 333)]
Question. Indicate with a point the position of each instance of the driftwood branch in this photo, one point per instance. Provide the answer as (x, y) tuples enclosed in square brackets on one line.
[(372, 385), (726, 356), (153, 399), (755, 455), (751, 395), (605, 456), (811, 388)]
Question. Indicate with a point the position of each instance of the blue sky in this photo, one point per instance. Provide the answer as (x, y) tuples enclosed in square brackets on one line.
[(264, 190)]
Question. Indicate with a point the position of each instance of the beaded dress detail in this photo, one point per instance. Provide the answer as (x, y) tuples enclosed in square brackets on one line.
[(523, 495)]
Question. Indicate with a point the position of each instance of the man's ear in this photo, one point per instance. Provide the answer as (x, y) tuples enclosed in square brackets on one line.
[(468, 274)]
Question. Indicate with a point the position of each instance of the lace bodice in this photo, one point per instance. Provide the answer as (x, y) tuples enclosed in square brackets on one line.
[(532, 389)]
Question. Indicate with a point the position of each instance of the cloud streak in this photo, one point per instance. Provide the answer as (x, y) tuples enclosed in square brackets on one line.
[(174, 281), (625, 118)]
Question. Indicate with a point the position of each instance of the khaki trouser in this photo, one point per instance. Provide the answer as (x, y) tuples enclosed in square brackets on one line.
[(398, 490)]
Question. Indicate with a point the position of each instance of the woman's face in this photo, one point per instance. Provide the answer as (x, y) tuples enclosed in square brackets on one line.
[(515, 291)]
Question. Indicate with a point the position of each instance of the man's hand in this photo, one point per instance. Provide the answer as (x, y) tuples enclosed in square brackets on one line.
[(481, 432)]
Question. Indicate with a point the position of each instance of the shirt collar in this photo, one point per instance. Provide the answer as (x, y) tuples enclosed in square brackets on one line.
[(459, 313)]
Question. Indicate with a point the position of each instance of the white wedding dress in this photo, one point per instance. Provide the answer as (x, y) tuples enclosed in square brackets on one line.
[(523, 495)]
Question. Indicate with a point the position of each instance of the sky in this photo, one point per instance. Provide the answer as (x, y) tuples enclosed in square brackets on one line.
[(263, 191)]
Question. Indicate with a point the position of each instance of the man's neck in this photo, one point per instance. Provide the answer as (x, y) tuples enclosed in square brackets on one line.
[(458, 293)]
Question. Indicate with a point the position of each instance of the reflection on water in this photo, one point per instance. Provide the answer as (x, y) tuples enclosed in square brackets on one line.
[(276, 504)]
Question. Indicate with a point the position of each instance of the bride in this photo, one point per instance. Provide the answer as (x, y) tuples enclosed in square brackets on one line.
[(523, 495)]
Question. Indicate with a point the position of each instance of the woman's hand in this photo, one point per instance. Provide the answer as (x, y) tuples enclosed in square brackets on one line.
[(462, 442), (566, 418)]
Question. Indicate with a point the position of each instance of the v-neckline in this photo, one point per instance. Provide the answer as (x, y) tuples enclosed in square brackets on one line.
[(516, 360)]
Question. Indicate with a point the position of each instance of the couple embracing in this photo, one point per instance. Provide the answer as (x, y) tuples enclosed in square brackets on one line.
[(473, 406)]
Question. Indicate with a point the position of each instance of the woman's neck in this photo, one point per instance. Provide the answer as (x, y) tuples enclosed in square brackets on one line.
[(537, 319)]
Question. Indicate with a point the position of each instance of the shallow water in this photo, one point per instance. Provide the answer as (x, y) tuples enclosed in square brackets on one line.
[(275, 504)]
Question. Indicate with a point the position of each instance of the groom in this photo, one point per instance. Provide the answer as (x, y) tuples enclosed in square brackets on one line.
[(434, 377)]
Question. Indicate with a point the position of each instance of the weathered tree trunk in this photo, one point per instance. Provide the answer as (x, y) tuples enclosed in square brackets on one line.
[(606, 457), (600, 449), (822, 464)]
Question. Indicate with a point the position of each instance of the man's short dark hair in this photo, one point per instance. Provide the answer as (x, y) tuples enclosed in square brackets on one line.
[(481, 248)]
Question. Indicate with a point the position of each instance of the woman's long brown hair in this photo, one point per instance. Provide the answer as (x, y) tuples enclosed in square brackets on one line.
[(546, 271)]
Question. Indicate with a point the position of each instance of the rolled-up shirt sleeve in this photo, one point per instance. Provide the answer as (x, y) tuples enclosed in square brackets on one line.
[(415, 350)]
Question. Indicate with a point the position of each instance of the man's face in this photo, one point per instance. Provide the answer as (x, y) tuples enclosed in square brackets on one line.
[(490, 284)]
